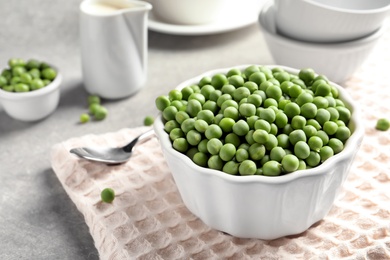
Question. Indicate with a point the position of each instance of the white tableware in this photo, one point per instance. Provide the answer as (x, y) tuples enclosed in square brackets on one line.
[(33, 105), (237, 16), (338, 61), (113, 37), (330, 20), (258, 206), (189, 12)]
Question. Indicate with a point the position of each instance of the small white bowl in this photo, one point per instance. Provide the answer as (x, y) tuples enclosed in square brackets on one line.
[(338, 61), (188, 12), (259, 206), (33, 105), (330, 20)]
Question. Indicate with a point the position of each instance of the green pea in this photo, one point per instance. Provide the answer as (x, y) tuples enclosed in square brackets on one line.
[(323, 90), (271, 143), (188, 124), (334, 113), (260, 136), (193, 107), (262, 124), (321, 102), (228, 89), (313, 159), (200, 159), (301, 150), (283, 141), (281, 120), (218, 80), (336, 145), (304, 98), (247, 167), (344, 114), (240, 128), (282, 76), (252, 86), (290, 163), (315, 143), (270, 102), (256, 151), (242, 155), (314, 123), (170, 125), (309, 130), (309, 110), (202, 146), (231, 167), (307, 75), (383, 124), (233, 71), (186, 92), (162, 102), (215, 162), (215, 95), (210, 105), (214, 145), (324, 136), (240, 93), (247, 109), (227, 124), (49, 73), (148, 120), (277, 153), (287, 129), (257, 77), (36, 84), (180, 144), (227, 152), (292, 109), (330, 127), (22, 87), (268, 114), (176, 133), (251, 121), (236, 80), (213, 131), (195, 88), (274, 92), (169, 113), (107, 195), (206, 90), (193, 137), (248, 71), (298, 122), (295, 91), (232, 138), (84, 118), (325, 153), (191, 152), (322, 116), (218, 118), (228, 103), (100, 113), (296, 136), (249, 137), (272, 168), (343, 133)]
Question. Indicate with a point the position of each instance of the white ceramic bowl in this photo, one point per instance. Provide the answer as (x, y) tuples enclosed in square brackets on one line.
[(338, 61), (330, 20), (32, 105), (260, 206), (188, 12)]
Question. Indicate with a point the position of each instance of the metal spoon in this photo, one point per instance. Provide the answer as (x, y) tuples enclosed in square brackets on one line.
[(111, 155)]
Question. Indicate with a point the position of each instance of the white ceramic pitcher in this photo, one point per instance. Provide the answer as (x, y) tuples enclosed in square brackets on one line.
[(113, 38)]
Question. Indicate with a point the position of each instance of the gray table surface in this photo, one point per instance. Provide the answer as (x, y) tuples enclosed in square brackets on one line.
[(37, 218)]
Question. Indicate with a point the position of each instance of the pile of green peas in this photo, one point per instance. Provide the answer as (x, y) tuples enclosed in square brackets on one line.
[(25, 76), (257, 121)]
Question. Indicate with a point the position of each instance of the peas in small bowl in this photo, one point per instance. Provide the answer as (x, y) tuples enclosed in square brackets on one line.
[(29, 90), (259, 167)]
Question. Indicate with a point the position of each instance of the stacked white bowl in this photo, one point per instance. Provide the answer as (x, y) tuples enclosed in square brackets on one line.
[(333, 37)]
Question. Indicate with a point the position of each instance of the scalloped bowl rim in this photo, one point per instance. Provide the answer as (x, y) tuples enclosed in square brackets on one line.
[(349, 148), (346, 10), (34, 93)]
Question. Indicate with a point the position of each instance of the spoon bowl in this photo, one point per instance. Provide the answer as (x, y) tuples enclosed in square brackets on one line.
[(111, 155)]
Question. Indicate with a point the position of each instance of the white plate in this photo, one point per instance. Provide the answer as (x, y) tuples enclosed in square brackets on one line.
[(238, 17)]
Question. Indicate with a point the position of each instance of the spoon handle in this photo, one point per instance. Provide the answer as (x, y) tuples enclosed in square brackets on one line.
[(141, 138)]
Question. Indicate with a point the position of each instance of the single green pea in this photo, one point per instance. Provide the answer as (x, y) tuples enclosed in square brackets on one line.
[(307, 75), (242, 154), (107, 195), (271, 143), (202, 146), (226, 124), (336, 145), (282, 76), (231, 168), (313, 159), (272, 168), (191, 152), (323, 90), (148, 120), (247, 109), (274, 92), (247, 167), (240, 93), (187, 125), (334, 113), (206, 115), (91, 99), (214, 145), (277, 153), (100, 113), (296, 136), (251, 86), (228, 89), (231, 112), (232, 138), (268, 114), (162, 102), (281, 120), (204, 81), (213, 131), (322, 116), (210, 105), (321, 102), (33, 64), (175, 94), (194, 106), (84, 118), (383, 124), (314, 123), (176, 133), (315, 143), (298, 122), (309, 110), (236, 80), (200, 159), (228, 103), (170, 125), (251, 121), (215, 162), (309, 130), (227, 152), (3, 81), (262, 124), (9, 88), (195, 88), (193, 137), (325, 153), (180, 116), (323, 135), (48, 73), (304, 98), (36, 84), (256, 151), (240, 128), (283, 141), (248, 71), (292, 109), (343, 133), (344, 114), (215, 95), (260, 136), (186, 92), (218, 80), (290, 163), (180, 144), (200, 125), (330, 127), (249, 137), (301, 150), (169, 113), (295, 91), (233, 71)]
